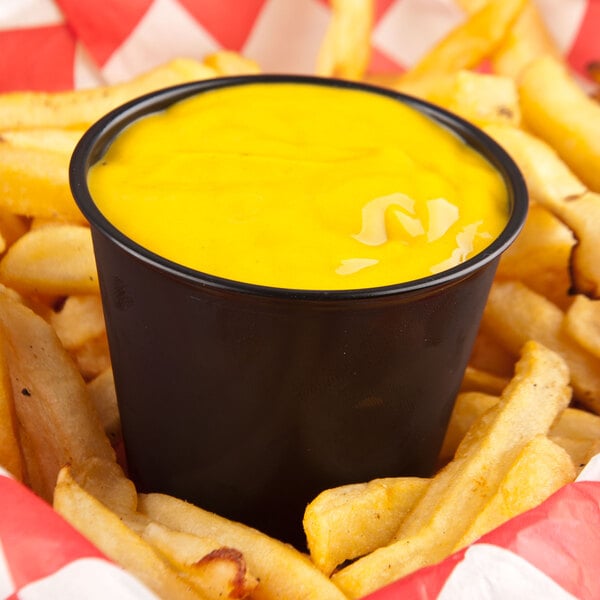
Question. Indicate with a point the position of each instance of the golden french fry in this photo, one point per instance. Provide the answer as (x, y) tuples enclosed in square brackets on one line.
[(532, 316), (468, 407), (283, 572), (219, 572), (80, 326), (55, 140), (34, 182), (582, 323), (575, 423), (481, 98), (528, 406), (463, 48), (79, 320), (552, 184), (112, 536), (207, 567), (527, 39), (577, 449), (57, 422), (346, 522), (80, 108), (539, 257), (471, 6), (10, 452), (92, 357), (593, 450), (103, 395), (537, 472), (12, 227), (477, 380), (105, 480), (572, 425), (227, 62), (34, 172), (52, 261), (346, 48), (549, 180), (42, 222), (556, 108)]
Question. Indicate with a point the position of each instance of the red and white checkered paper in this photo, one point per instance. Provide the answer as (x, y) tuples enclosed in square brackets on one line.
[(551, 552), (59, 44)]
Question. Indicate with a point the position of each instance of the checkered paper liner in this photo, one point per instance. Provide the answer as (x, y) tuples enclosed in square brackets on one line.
[(59, 44), (551, 552)]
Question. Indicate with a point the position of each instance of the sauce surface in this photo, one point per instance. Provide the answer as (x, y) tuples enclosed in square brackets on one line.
[(300, 186)]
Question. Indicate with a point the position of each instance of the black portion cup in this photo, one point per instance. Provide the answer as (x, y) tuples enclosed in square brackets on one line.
[(249, 400)]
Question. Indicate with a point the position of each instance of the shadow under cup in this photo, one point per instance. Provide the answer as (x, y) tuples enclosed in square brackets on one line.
[(250, 400)]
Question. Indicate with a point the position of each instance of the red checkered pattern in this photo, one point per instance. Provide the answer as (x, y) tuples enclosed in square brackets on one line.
[(551, 552), (74, 43), (43, 557)]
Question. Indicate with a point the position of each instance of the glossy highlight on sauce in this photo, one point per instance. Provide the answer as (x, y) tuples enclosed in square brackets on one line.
[(300, 186)]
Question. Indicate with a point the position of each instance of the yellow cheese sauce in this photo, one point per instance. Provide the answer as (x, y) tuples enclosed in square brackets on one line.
[(300, 186)]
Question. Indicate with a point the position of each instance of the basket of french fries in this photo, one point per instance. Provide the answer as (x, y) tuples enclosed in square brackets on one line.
[(513, 508)]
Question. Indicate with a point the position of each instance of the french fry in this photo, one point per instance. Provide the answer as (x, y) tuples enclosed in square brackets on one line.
[(283, 572), (212, 571), (57, 422), (92, 357), (346, 48), (577, 449), (349, 521), (463, 48), (10, 451), (582, 323), (219, 572), (103, 395), (79, 109), (481, 98), (592, 451), (79, 320), (471, 6), (541, 468), (105, 480), (477, 380), (52, 261), (557, 109), (112, 536), (50, 139), (468, 407), (227, 62), (34, 182), (533, 317), (80, 326), (527, 40), (533, 399), (540, 256), (12, 227), (575, 423), (552, 184)]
